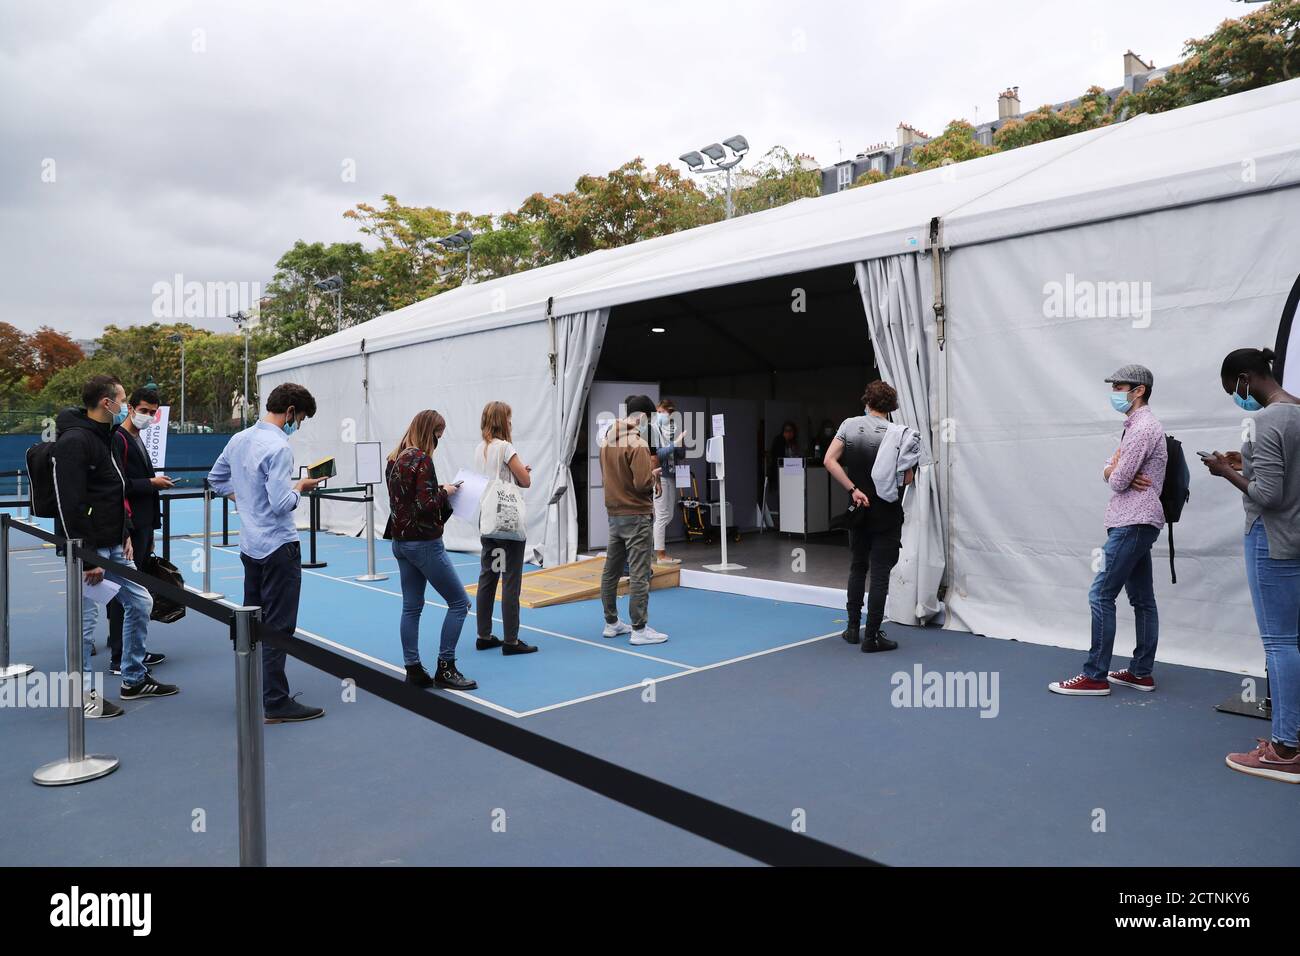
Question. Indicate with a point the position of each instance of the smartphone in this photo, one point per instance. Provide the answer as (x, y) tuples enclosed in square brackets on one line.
[(1206, 454)]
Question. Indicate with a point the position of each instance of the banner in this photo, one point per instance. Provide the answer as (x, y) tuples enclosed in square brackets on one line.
[(155, 437)]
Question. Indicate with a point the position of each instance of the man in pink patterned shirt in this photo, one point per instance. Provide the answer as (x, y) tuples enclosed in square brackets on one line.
[(1134, 517)]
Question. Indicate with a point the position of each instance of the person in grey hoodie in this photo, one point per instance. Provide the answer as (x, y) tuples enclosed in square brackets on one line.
[(1267, 473)]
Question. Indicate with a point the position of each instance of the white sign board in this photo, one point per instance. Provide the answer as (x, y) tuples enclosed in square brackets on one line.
[(370, 463), (155, 437), (719, 426), (683, 476), (792, 465)]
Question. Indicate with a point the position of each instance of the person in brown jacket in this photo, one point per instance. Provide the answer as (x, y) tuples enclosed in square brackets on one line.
[(631, 472)]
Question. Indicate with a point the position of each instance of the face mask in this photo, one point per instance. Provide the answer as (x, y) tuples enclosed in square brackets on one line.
[(662, 418), (290, 423), (1248, 403), (141, 420), (1120, 401), (120, 416)]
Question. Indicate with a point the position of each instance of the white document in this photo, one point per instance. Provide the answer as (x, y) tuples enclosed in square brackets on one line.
[(719, 426), (682, 475), (465, 502), (792, 465), (100, 593)]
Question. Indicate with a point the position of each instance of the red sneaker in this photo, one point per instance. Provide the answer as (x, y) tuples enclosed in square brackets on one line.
[(1264, 761), (1081, 686), (1126, 678)]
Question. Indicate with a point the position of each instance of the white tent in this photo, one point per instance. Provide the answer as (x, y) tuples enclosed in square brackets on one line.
[(1162, 240)]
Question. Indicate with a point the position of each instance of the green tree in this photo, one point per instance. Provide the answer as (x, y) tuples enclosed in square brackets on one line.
[(15, 356), (955, 144), (294, 312), (64, 387), (778, 178), (1093, 110)]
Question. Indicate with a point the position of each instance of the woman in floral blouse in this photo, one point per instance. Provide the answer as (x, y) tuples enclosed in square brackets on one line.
[(419, 510)]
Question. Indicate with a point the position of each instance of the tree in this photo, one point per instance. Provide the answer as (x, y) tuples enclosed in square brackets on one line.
[(16, 356), (955, 144), (64, 387), (1255, 50), (778, 178), (1093, 110), (51, 352), (295, 312), (409, 265)]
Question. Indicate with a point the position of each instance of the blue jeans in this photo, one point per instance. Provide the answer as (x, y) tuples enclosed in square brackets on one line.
[(1126, 566), (137, 605), (1275, 592), (420, 562)]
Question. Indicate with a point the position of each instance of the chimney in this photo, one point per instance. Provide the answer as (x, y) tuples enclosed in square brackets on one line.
[(1009, 103), (907, 135), (1134, 66)]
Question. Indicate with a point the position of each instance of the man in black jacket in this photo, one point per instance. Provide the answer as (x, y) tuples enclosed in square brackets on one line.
[(142, 487), (91, 495)]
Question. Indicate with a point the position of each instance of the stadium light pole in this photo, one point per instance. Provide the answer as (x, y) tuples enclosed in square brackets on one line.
[(456, 242), (240, 319), (716, 153), (177, 337)]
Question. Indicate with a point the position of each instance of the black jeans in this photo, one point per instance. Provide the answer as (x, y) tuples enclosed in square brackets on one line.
[(141, 545), (273, 583), (877, 551), (501, 560)]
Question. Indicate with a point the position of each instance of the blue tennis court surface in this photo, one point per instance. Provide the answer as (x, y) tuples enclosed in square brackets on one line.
[(574, 664)]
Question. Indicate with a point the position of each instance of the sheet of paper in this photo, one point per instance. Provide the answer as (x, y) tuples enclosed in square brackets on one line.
[(792, 465), (682, 476), (100, 593), (464, 503)]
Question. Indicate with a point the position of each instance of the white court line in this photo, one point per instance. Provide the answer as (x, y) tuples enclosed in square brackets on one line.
[(522, 627), (684, 673), (374, 660)]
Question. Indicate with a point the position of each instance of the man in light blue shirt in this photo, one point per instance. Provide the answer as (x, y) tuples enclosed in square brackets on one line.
[(256, 469)]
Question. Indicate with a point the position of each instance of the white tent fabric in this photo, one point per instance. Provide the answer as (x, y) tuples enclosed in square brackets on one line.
[(1196, 200), (897, 297), (1033, 426)]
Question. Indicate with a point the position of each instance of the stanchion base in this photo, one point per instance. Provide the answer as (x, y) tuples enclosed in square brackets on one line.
[(15, 670), (314, 564), (59, 773), (724, 567), (371, 577), (211, 595), (1235, 705)]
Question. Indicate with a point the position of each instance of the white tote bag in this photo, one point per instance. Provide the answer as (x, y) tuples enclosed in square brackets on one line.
[(501, 509)]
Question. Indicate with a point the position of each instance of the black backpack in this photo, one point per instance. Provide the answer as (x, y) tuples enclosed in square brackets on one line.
[(1175, 492), (40, 469)]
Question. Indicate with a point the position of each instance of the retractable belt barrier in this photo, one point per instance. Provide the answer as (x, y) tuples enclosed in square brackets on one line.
[(758, 839)]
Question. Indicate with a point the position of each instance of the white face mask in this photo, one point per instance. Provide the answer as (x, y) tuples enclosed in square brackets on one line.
[(141, 419)]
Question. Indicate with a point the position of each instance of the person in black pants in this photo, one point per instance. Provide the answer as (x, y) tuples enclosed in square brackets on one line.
[(142, 488), (876, 537)]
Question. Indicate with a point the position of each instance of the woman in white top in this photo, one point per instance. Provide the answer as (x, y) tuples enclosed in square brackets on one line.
[(668, 440), (501, 560)]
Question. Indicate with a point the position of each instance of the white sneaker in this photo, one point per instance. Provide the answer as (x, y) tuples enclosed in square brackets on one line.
[(617, 628), (647, 635)]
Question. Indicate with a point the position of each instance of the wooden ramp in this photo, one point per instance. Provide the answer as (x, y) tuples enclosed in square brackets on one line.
[(579, 581)]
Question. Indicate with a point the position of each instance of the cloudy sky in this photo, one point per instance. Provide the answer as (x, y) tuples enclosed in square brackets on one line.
[(142, 140)]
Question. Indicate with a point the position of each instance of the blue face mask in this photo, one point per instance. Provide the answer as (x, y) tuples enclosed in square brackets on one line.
[(120, 417), (1248, 403), (1120, 401), (290, 425)]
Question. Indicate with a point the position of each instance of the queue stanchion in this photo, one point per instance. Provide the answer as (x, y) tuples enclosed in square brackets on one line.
[(7, 668), (167, 527), (207, 591), (370, 574), (249, 719), (225, 521), (25, 511), (313, 523), (78, 766)]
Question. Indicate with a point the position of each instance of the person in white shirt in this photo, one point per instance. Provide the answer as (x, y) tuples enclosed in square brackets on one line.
[(667, 432), (502, 561)]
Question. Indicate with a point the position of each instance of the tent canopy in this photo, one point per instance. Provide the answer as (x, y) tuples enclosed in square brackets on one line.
[(1231, 146)]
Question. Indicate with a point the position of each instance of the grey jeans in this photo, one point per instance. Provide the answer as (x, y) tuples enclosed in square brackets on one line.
[(629, 540)]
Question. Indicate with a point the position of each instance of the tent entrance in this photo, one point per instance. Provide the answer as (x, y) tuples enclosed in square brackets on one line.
[(789, 348)]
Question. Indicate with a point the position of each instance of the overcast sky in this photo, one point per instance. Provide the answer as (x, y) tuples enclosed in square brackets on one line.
[(203, 139)]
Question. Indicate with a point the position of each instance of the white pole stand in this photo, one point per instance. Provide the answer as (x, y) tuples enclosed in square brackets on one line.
[(7, 668), (207, 591), (721, 468), (370, 574)]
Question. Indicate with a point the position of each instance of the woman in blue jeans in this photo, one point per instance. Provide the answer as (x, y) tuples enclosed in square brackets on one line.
[(419, 511), (1267, 473)]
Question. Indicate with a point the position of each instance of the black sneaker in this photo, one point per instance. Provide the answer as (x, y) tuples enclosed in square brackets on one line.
[(487, 643), (878, 642), (418, 676), (115, 668), (517, 647), (152, 660), (292, 712), (450, 678), (96, 708), (147, 688), (852, 633)]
